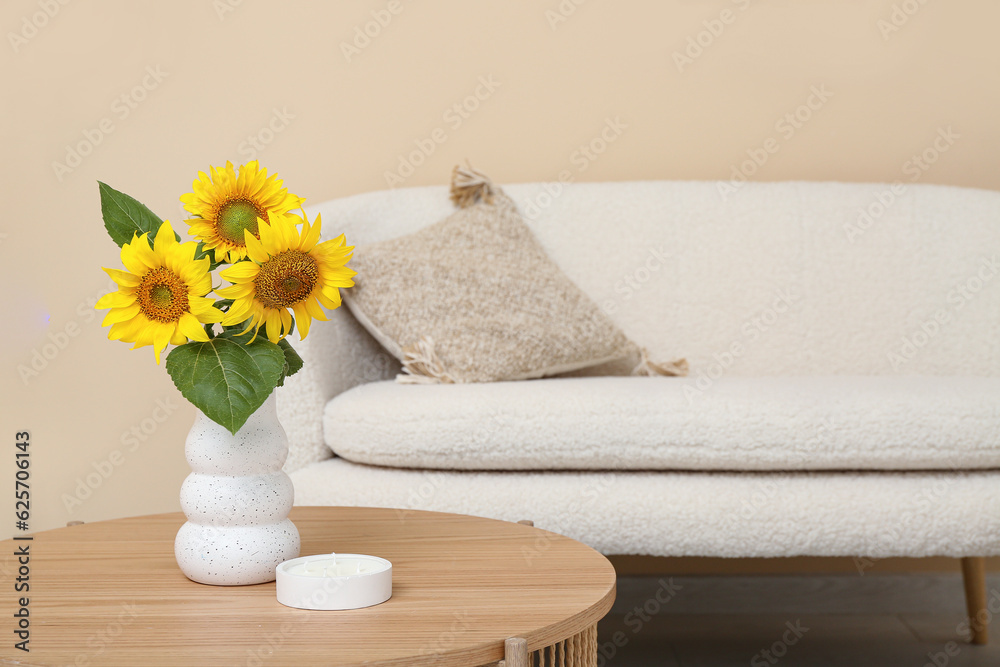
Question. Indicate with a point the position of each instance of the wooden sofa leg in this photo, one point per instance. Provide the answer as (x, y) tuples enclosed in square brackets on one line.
[(974, 577)]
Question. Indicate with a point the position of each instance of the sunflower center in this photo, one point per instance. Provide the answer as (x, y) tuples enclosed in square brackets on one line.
[(286, 279), (237, 215), (162, 295)]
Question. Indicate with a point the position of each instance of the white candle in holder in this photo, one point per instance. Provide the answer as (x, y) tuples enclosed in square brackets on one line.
[(334, 581)]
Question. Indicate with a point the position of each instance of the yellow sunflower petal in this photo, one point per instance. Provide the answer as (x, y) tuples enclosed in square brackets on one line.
[(161, 338), (140, 250), (329, 297), (238, 312), (286, 321), (117, 299), (164, 237), (255, 324), (268, 238), (314, 309), (191, 328), (236, 291), (302, 319), (310, 234), (240, 272), (255, 250), (132, 259), (123, 278), (116, 315), (273, 321), (127, 331), (209, 315)]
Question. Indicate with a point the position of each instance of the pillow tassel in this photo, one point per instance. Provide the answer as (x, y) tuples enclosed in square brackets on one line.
[(421, 365), (649, 368), (469, 187)]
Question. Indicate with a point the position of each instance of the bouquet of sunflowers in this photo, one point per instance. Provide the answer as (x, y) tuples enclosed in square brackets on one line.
[(279, 275)]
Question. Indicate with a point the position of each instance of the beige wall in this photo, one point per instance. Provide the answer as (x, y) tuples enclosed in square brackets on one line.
[(341, 125)]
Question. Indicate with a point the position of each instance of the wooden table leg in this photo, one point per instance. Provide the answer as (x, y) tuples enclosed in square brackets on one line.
[(515, 652), (577, 651), (974, 577)]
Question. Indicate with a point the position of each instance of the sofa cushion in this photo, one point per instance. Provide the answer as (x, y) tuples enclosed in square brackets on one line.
[(474, 298), (732, 423)]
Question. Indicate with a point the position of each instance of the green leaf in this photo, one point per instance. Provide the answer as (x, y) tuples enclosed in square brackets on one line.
[(293, 362), (125, 216), (226, 379)]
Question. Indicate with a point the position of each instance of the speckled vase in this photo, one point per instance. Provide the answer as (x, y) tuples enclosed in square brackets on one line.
[(236, 500)]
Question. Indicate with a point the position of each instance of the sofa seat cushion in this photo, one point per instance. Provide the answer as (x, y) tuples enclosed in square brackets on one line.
[(614, 423)]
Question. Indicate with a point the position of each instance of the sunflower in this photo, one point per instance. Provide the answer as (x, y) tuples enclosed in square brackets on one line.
[(226, 204), (160, 298), (287, 270)]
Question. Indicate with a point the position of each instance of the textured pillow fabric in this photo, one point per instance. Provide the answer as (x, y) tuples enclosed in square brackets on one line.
[(475, 298)]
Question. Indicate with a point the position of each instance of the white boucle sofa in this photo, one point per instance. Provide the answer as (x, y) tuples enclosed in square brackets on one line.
[(844, 395)]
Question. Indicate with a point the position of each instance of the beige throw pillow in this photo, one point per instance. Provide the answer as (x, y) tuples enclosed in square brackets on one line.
[(474, 298)]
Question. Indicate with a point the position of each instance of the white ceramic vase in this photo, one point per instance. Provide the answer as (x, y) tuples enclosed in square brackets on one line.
[(236, 500)]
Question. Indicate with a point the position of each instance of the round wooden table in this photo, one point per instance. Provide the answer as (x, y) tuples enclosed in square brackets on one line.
[(110, 593)]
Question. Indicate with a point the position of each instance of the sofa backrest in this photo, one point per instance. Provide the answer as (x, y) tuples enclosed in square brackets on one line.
[(789, 278)]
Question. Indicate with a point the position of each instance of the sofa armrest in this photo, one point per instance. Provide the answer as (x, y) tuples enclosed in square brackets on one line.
[(338, 355)]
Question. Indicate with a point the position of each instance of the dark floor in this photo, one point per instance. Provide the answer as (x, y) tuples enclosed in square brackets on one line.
[(826, 620)]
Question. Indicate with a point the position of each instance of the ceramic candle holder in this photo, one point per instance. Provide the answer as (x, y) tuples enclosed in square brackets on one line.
[(334, 581)]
